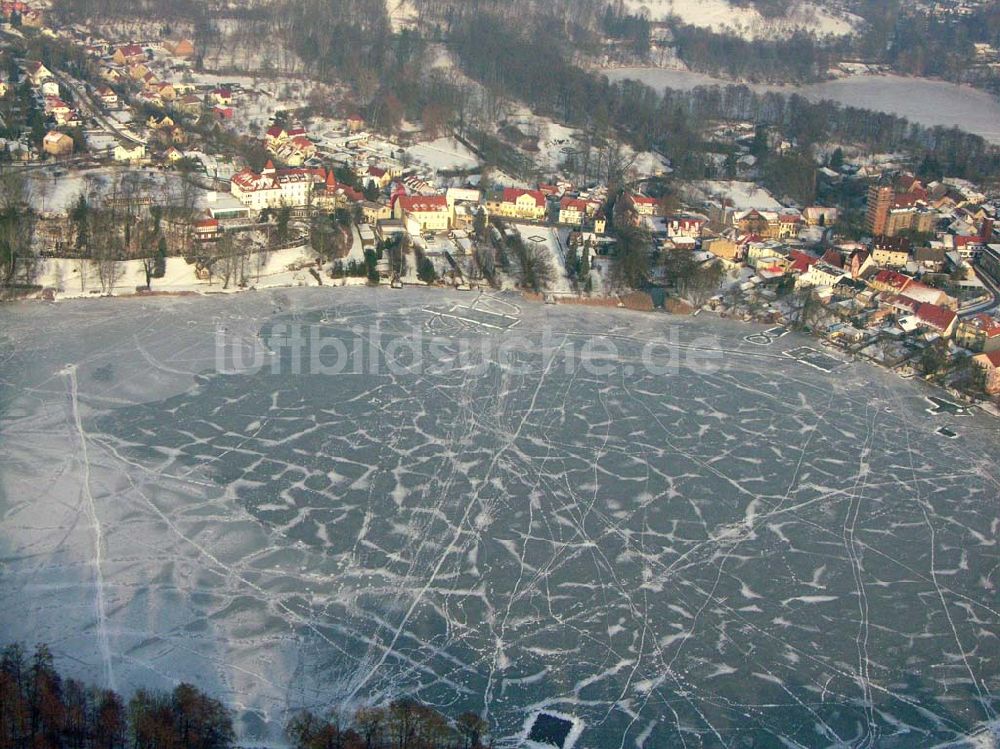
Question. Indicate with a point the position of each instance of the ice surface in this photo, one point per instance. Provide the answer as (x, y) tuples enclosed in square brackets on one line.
[(921, 100), (756, 553)]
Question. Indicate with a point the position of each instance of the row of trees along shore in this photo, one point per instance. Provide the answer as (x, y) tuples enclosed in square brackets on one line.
[(41, 709)]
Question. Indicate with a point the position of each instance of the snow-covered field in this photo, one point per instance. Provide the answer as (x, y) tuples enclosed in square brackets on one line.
[(746, 21), (68, 278), (546, 238), (742, 196), (740, 551), (921, 100), (443, 154)]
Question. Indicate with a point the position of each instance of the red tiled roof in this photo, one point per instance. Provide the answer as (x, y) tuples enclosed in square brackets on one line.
[(891, 278), (939, 318), (511, 194), (351, 194), (423, 203), (900, 302), (834, 258), (642, 199), (962, 240), (573, 203), (801, 262), (275, 131), (993, 357), (987, 325), (132, 50)]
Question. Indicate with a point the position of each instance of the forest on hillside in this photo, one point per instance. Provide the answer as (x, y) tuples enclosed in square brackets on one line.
[(536, 53)]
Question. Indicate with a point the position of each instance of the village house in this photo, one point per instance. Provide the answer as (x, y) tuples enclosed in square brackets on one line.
[(572, 211), (372, 212), (422, 213), (980, 333), (189, 104), (165, 122), (33, 19), (890, 281), (355, 123), (111, 75), (685, 225), (518, 203), (274, 188), (820, 275), (57, 144), (140, 73), (767, 224), (990, 363), (182, 48), (815, 215), (890, 252), (641, 204), (769, 254), (334, 195), (57, 109), (36, 72), (294, 151), (221, 95), (931, 259), (206, 229), (129, 54), (939, 319), (724, 248), (165, 90), (107, 97), (800, 262), (860, 263), (131, 153)]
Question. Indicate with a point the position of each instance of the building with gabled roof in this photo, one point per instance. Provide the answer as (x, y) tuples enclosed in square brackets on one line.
[(979, 333), (939, 319), (572, 211), (129, 54), (518, 203), (423, 213), (990, 363), (891, 281), (642, 204), (275, 188), (57, 144)]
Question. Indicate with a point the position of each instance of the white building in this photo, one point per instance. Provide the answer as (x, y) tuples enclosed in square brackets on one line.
[(821, 275), (274, 188), (131, 154)]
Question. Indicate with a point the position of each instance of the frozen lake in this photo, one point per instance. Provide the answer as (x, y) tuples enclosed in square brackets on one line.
[(921, 100), (743, 551)]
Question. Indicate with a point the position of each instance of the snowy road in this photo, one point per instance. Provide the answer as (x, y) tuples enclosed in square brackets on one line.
[(739, 551)]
